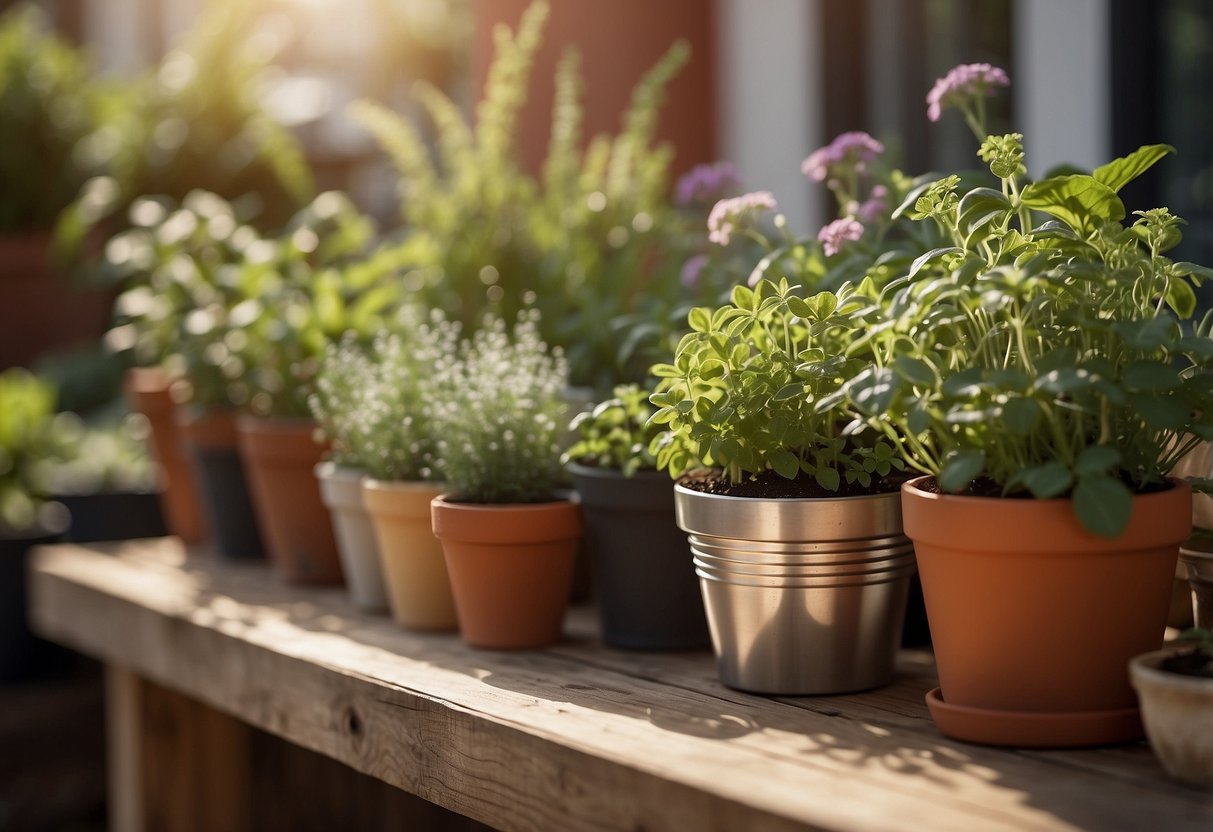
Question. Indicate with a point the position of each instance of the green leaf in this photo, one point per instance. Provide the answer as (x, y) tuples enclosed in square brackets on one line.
[(665, 371), (1103, 505), (1049, 480), (960, 469), (663, 416), (1200, 273), (1150, 376), (743, 298), (1080, 201), (1181, 297), (914, 370), (788, 391), (1161, 413), (1096, 460), (711, 369), (785, 463), (700, 319), (931, 256), (798, 307), (827, 478), (1021, 415), (1120, 172)]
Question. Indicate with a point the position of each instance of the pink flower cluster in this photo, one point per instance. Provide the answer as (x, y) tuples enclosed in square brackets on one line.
[(838, 232), (704, 184), (874, 208), (961, 82), (728, 213), (854, 148)]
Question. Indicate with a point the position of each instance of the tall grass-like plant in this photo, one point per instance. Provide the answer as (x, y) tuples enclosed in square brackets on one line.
[(585, 242), (502, 414)]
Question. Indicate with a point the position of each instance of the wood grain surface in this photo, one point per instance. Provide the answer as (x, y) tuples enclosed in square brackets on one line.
[(575, 737)]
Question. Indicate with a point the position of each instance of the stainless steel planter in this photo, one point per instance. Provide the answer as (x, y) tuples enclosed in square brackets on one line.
[(803, 596)]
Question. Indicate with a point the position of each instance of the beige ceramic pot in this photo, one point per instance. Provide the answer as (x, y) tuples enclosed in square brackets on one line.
[(414, 570), (511, 567), (1178, 714)]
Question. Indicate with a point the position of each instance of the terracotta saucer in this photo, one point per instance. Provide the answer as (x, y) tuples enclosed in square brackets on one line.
[(1027, 729)]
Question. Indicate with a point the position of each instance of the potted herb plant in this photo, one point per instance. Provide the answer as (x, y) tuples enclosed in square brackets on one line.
[(1195, 574), (793, 516), (183, 268), (50, 117), (1175, 688), (591, 237), (508, 538), (311, 285), (27, 439), (1034, 369), (648, 595), (105, 479)]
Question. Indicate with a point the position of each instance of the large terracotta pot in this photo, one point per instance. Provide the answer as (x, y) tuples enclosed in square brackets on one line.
[(418, 587), (213, 450), (147, 391), (54, 312), (279, 457), (1034, 619), (510, 568), (341, 490)]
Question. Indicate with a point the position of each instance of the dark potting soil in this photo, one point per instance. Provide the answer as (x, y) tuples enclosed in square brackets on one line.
[(986, 487), (770, 485), (1195, 662)]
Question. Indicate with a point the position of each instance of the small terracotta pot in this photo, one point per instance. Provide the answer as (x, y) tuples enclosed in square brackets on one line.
[(510, 568), (418, 587), (1178, 713), (341, 490), (1034, 619), (279, 457), (147, 391), (213, 450)]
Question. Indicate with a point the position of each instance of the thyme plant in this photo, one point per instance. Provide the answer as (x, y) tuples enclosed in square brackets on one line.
[(501, 414)]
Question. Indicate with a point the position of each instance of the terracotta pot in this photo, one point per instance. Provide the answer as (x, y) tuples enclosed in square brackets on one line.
[(1034, 618), (213, 450), (510, 568), (147, 391), (418, 587), (1178, 714), (55, 312), (341, 490), (279, 457)]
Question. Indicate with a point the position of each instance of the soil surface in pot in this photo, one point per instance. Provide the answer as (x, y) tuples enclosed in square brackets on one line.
[(771, 486), (986, 487), (1195, 662)]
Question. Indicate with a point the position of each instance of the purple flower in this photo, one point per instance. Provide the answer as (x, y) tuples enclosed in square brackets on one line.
[(692, 270), (704, 184), (838, 232), (728, 213), (854, 148), (962, 82), (876, 205)]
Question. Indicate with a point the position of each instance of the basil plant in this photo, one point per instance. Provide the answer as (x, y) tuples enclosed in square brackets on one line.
[(1047, 350)]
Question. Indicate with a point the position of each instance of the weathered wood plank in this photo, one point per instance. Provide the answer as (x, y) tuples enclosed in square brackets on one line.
[(577, 737)]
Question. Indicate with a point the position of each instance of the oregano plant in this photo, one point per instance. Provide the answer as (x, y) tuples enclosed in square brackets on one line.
[(744, 393)]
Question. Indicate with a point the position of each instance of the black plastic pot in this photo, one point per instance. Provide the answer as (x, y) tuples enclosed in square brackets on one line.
[(212, 449), (22, 654), (118, 516), (648, 594)]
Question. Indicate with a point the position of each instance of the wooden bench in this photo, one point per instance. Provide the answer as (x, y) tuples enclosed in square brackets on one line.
[(576, 737)]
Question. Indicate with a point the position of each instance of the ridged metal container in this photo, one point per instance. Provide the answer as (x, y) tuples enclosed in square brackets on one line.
[(803, 596)]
